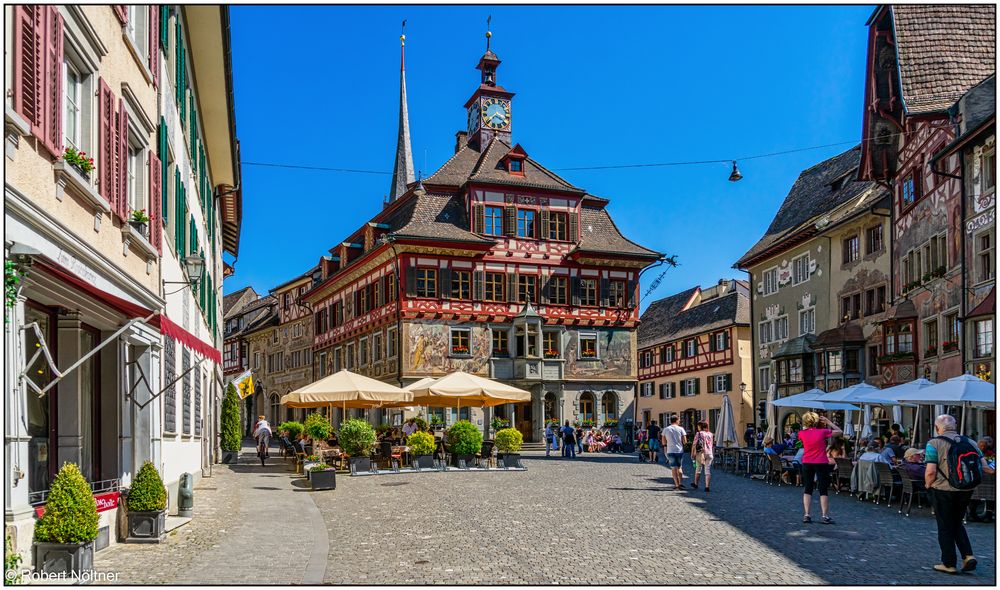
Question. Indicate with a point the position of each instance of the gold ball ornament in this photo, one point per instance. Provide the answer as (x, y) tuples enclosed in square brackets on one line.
[(488, 34)]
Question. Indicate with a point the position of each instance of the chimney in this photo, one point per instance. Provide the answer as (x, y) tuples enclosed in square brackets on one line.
[(460, 140)]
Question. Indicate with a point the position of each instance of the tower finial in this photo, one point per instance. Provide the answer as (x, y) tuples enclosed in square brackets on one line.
[(488, 33), (402, 174)]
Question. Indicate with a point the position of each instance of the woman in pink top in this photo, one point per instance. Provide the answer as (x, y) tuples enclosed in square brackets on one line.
[(815, 464)]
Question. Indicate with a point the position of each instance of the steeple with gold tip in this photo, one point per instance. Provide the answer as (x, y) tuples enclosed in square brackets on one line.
[(402, 172), (489, 106)]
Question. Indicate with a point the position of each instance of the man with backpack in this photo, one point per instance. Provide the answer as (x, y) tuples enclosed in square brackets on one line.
[(955, 466)]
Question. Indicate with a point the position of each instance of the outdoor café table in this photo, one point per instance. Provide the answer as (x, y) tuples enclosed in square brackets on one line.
[(403, 452), (755, 459), (729, 458)]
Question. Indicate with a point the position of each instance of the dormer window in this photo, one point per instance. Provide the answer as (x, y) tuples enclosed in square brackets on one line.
[(516, 166)]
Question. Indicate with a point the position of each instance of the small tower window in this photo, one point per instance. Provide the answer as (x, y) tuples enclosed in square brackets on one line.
[(516, 166)]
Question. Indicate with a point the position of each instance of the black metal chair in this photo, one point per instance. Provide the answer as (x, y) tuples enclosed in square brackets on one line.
[(844, 468), (775, 469), (910, 487)]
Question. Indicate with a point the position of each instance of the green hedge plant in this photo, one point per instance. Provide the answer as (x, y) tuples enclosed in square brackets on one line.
[(356, 437), (320, 467), (70, 511), (147, 493), (421, 423), (294, 429), (509, 440), (229, 426), (421, 443), (317, 427), (464, 438)]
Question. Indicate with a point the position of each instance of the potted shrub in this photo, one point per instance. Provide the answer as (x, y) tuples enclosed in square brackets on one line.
[(436, 423), (421, 423), (64, 536), (422, 449), (229, 429), (323, 477), (147, 506), (140, 221), (509, 442), (497, 424), (356, 438), (79, 160), (308, 463), (465, 440), (317, 427), (294, 429)]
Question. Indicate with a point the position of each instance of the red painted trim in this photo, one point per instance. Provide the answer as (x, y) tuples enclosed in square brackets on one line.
[(126, 307), (172, 330)]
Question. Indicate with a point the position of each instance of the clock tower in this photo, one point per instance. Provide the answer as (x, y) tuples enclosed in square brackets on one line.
[(489, 107)]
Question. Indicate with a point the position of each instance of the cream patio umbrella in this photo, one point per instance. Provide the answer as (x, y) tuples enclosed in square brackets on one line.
[(347, 390), (458, 387)]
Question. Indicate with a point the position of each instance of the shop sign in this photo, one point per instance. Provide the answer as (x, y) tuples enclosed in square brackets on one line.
[(106, 501)]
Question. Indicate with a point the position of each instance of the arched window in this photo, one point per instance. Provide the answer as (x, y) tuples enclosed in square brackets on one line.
[(587, 406), (609, 406), (275, 408)]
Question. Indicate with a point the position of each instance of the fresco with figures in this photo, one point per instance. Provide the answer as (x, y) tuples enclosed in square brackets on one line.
[(615, 352), (427, 350)]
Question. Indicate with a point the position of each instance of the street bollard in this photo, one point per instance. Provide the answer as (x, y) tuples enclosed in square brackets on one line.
[(185, 495)]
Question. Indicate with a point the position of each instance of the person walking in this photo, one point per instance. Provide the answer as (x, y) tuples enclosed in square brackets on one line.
[(949, 502), (674, 438), (578, 437), (702, 453), (569, 441), (815, 464), (653, 435), (550, 438)]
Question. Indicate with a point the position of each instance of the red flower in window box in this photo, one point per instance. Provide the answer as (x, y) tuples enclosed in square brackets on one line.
[(460, 350), (588, 354), (551, 354), (950, 345)]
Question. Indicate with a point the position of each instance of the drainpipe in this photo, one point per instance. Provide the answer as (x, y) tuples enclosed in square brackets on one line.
[(962, 264)]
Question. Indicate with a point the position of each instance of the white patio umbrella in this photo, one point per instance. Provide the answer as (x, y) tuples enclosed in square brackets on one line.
[(966, 390), (848, 424), (860, 393), (772, 418), (896, 392), (866, 428), (812, 400), (726, 428)]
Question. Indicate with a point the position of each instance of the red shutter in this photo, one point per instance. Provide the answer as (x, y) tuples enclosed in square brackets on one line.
[(155, 223), (122, 164), (121, 11), (51, 128), (154, 43), (106, 156), (28, 52)]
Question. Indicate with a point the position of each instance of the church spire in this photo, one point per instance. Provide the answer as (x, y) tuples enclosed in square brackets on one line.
[(402, 173)]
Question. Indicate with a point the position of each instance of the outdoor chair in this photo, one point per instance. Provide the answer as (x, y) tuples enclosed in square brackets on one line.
[(844, 469), (910, 488), (887, 480), (485, 453), (774, 470)]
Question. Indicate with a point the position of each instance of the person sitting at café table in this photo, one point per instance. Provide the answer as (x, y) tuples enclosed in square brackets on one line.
[(913, 464), (986, 446), (895, 447), (769, 447), (874, 453)]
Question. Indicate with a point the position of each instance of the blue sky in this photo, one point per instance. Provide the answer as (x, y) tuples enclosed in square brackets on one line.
[(318, 86)]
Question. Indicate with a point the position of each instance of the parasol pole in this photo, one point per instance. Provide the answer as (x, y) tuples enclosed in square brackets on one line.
[(962, 428), (916, 419)]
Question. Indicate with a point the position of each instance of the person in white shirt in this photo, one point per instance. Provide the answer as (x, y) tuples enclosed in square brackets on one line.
[(674, 438), (409, 428), (262, 432)]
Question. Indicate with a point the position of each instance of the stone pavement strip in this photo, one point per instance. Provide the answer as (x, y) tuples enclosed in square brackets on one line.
[(599, 519)]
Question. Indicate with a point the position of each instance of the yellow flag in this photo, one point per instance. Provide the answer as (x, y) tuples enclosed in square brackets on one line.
[(244, 385)]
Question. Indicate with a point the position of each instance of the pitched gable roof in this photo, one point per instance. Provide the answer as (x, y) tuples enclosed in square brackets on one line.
[(943, 51), (236, 300), (469, 164), (434, 216), (818, 190), (598, 233), (667, 320)]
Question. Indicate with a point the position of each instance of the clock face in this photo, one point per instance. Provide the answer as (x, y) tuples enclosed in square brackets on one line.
[(473, 119), (496, 113)]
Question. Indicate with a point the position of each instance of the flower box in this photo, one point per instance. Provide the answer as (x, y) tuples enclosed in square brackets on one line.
[(459, 350), (950, 346), (932, 351), (551, 354), (141, 227)]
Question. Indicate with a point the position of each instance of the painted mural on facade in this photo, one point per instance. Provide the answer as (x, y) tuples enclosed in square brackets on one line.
[(615, 351), (427, 344)]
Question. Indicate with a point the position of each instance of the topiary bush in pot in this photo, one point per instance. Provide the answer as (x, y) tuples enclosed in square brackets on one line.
[(422, 449), (294, 429), (147, 504), (317, 427), (64, 536), (229, 426), (356, 437), (464, 440), (509, 441)]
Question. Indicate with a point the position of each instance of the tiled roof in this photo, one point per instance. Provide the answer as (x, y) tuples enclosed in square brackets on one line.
[(236, 300), (434, 216), (944, 50), (598, 233), (666, 320), (818, 190), (798, 346), (469, 164)]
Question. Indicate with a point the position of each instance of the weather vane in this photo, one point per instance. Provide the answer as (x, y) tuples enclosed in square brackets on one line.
[(402, 33), (488, 33)]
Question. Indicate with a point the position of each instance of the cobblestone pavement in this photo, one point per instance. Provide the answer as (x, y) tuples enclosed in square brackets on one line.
[(599, 519)]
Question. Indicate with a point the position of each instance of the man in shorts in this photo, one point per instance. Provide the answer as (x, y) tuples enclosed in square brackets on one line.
[(674, 438), (653, 434)]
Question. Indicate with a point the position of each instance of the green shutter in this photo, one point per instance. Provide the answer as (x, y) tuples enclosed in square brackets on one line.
[(202, 286), (164, 26), (178, 48), (193, 238)]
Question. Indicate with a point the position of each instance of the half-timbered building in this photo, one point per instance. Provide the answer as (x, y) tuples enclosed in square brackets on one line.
[(493, 265), (694, 348)]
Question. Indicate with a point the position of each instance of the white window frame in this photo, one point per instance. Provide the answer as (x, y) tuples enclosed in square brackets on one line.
[(597, 346), (137, 29), (765, 328), (764, 377), (646, 389), (691, 348), (778, 321), (720, 340), (363, 351), (796, 279), (720, 383), (468, 336), (670, 353), (770, 276), (77, 104), (689, 387), (978, 342), (390, 342), (807, 329), (989, 253)]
